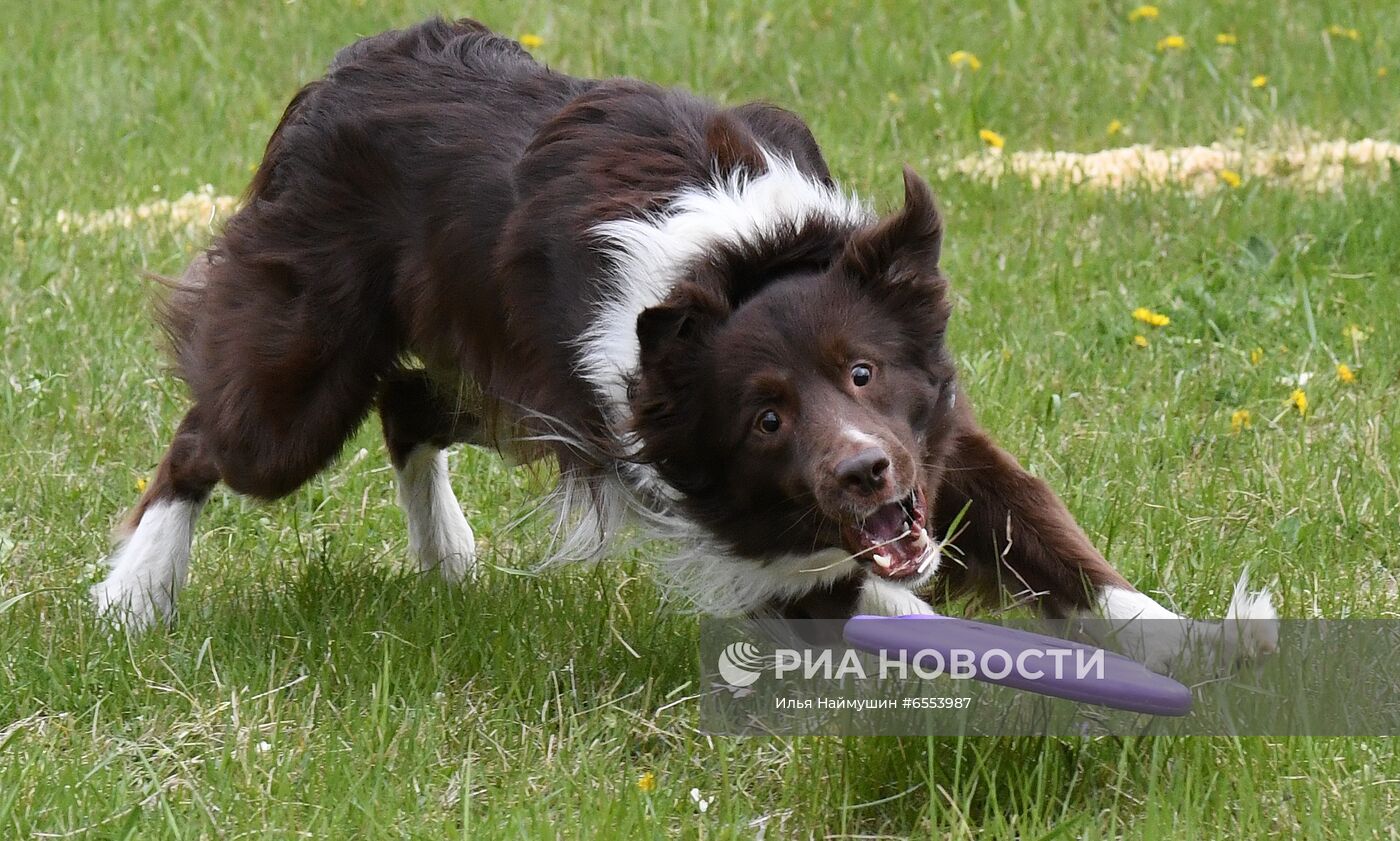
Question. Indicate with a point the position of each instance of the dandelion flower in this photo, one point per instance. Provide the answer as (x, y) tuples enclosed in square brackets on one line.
[(963, 58), (531, 41), (141, 484), (1144, 13), (1259, 81), (1340, 31), (1230, 177), (647, 783), (1227, 39), (1381, 72), (1147, 316), (1299, 400), (1171, 42), (1240, 420), (1256, 356), (892, 97), (1140, 340), (1345, 374), (991, 138), (1115, 127)]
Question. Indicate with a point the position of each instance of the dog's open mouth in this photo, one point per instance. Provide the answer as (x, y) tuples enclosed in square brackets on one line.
[(893, 539)]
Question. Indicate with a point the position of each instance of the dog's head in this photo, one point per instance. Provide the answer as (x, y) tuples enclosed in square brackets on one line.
[(809, 411)]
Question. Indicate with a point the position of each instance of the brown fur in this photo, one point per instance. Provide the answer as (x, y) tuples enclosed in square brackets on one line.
[(432, 197)]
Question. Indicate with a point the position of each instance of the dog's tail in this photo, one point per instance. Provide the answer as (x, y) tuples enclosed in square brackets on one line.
[(177, 309)]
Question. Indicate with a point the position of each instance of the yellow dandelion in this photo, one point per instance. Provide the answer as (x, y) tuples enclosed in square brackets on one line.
[(1239, 131), (1147, 316), (1230, 177), (1115, 127), (141, 485), (1256, 356), (1144, 13), (647, 783), (1299, 400), (1171, 42), (1381, 72), (1345, 374), (963, 58), (1241, 419), (892, 97), (1340, 31), (1140, 340), (531, 41), (1259, 81), (991, 138), (1227, 39)]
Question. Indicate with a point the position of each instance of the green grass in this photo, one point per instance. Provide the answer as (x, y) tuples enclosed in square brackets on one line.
[(312, 684)]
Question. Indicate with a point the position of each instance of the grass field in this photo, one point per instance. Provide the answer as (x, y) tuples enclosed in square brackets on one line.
[(312, 685)]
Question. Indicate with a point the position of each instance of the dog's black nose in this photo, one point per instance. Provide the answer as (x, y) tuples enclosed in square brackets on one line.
[(866, 470)]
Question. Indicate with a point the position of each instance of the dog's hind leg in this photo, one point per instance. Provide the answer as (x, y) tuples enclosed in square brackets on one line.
[(420, 423), (150, 564)]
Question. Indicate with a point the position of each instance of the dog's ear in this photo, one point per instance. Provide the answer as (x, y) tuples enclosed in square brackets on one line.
[(905, 243), (733, 145), (668, 396), (683, 318), (896, 262)]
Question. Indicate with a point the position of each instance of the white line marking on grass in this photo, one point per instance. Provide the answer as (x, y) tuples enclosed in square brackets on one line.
[(1320, 165), (1317, 165), (199, 209)]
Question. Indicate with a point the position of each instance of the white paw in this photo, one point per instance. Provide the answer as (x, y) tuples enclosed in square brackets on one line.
[(1248, 633), (879, 597), (451, 555), (1250, 629), (439, 536), (149, 568), (130, 605)]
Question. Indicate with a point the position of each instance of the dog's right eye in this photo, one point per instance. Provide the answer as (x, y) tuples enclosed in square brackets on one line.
[(769, 422)]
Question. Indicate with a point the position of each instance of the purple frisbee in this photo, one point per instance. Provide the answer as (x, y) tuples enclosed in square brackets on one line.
[(1020, 659)]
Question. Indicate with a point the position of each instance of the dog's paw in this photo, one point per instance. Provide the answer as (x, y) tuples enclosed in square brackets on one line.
[(129, 605), (456, 565), (1183, 646), (1250, 629), (885, 598), (439, 536), (449, 551)]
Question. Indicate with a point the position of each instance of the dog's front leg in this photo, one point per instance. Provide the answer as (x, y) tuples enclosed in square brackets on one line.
[(879, 597), (1017, 538)]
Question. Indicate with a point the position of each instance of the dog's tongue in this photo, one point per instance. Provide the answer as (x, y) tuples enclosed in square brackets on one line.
[(887, 523), (883, 542)]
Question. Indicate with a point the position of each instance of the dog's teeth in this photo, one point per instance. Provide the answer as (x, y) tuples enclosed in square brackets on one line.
[(883, 560)]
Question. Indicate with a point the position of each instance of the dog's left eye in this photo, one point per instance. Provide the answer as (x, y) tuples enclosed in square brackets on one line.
[(861, 375)]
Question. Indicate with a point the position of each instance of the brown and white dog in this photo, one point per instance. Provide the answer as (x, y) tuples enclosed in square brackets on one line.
[(671, 298)]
